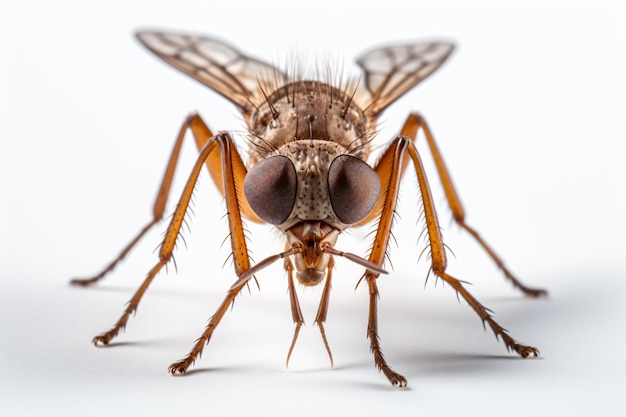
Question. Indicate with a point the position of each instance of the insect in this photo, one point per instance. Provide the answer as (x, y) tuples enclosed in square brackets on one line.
[(306, 172)]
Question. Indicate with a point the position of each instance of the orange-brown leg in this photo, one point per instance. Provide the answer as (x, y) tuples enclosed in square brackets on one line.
[(180, 367), (414, 122), (395, 378), (222, 142), (389, 170), (201, 134), (438, 259), (234, 173)]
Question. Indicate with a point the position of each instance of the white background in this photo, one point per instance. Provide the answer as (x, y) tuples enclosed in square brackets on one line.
[(529, 113)]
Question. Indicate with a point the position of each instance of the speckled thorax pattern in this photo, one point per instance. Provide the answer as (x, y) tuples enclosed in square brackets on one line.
[(307, 110)]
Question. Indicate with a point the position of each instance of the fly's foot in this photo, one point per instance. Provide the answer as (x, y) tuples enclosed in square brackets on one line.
[(525, 351), (397, 380), (103, 339), (82, 282), (534, 292), (522, 350), (180, 368)]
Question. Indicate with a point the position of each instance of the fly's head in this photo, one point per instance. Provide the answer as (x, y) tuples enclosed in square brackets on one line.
[(311, 191)]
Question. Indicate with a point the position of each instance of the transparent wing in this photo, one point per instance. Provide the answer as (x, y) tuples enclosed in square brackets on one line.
[(215, 64), (391, 71)]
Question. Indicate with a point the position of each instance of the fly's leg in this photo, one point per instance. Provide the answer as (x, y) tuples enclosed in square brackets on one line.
[(389, 170), (222, 143), (438, 259), (181, 366), (234, 173), (201, 134), (414, 122), (395, 378), (165, 253)]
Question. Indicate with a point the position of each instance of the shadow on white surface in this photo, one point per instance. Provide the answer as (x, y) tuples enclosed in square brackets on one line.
[(436, 343)]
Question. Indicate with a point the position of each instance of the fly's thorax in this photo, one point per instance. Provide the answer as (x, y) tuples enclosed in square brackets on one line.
[(311, 160), (307, 110)]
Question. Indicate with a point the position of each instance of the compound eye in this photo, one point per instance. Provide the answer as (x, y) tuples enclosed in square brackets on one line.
[(353, 188), (270, 187)]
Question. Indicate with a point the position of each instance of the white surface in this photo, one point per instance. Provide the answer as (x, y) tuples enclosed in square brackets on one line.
[(529, 113)]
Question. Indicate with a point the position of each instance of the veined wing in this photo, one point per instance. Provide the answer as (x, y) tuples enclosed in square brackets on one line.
[(215, 64), (389, 72)]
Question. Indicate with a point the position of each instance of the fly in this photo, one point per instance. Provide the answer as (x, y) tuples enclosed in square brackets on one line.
[(309, 173)]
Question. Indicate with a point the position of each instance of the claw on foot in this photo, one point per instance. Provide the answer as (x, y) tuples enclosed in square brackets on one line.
[(178, 368), (78, 282), (101, 340), (535, 292), (526, 351), (399, 382)]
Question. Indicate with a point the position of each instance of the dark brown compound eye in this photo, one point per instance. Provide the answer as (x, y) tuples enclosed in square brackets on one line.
[(270, 187), (353, 187)]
